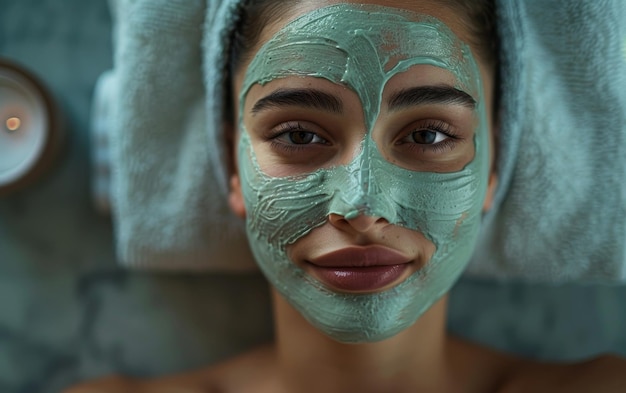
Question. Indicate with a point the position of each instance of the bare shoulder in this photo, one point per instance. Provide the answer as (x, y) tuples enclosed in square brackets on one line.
[(603, 374), (481, 369), (242, 373), (252, 371), (113, 383), (490, 370)]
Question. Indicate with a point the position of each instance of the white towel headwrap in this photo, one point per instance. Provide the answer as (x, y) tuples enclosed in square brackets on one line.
[(560, 208)]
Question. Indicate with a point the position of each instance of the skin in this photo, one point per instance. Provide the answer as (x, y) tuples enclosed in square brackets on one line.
[(422, 358)]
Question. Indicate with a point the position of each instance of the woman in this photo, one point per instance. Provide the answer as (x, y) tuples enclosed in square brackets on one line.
[(364, 146)]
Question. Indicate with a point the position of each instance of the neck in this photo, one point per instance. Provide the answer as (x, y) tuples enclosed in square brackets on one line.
[(413, 360)]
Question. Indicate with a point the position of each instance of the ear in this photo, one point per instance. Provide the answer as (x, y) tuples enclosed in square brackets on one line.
[(492, 185), (491, 190), (235, 196)]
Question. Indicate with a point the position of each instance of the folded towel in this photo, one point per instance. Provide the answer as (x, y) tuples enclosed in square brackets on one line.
[(167, 199), (560, 208), (560, 211)]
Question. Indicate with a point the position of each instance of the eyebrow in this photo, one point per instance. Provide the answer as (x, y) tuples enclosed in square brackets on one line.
[(422, 95), (305, 98)]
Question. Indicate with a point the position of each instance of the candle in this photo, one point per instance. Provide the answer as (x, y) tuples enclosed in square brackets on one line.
[(27, 131)]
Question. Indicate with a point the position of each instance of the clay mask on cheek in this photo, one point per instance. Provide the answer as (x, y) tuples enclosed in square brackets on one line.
[(363, 47)]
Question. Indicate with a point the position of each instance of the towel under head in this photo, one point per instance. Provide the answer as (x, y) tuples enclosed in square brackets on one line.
[(560, 207)]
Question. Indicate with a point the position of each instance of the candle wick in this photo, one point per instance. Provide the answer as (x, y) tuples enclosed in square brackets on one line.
[(13, 123)]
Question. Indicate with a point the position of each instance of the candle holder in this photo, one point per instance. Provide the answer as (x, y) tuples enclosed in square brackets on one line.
[(30, 131)]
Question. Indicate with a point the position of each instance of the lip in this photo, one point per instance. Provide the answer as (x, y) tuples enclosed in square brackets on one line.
[(360, 257), (359, 269), (360, 279)]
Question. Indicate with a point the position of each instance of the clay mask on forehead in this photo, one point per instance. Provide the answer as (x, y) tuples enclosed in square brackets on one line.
[(362, 47)]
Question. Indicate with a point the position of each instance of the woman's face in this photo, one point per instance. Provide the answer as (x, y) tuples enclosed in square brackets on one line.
[(363, 160)]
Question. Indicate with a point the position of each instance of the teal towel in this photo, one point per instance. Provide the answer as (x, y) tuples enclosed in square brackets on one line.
[(166, 197), (560, 211), (560, 208)]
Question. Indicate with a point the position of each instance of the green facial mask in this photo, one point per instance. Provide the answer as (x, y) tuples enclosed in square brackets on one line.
[(362, 47)]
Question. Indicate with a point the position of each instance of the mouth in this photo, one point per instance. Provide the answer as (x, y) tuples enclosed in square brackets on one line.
[(360, 269)]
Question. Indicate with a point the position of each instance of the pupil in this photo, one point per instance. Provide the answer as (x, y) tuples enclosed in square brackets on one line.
[(301, 137), (424, 137)]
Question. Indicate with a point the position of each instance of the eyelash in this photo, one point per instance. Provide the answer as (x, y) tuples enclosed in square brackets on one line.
[(286, 128), (430, 125), (436, 126)]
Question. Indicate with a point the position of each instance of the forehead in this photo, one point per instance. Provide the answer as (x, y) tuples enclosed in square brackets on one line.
[(293, 9), (441, 10), (363, 33)]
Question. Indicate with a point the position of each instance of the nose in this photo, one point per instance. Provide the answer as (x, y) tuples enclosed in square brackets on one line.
[(362, 223)]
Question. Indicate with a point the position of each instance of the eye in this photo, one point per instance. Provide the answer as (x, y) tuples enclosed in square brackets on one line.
[(428, 137), (300, 137), (429, 134), (296, 133)]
